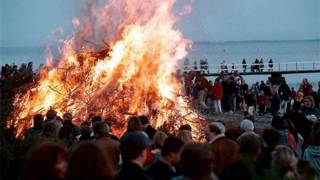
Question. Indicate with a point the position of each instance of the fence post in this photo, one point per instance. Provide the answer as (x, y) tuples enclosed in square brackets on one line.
[(296, 66)]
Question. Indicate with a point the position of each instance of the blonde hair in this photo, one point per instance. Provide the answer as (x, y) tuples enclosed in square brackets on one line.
[(285, 162), (159, 138)]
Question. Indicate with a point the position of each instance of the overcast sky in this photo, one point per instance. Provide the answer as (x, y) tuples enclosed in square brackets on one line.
[(31, 22)]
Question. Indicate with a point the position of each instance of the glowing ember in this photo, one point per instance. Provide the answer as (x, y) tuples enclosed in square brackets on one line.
[(131, 74)]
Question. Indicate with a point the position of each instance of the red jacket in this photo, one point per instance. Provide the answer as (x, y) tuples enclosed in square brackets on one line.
[(261, 100), (217, 92), (307, 89)]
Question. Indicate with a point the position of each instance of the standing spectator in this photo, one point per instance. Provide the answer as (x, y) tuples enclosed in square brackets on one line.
[(224, 150), (275, 103), (52, 117), (284, 92), (185, 136), (270, 65), (244, 65), (36, 130), (261, 65), (250, 101), (134, 147), (163, 169), (202, 84), (286, 138), (85, 132), (158, 141), (306, 87), (217, 95), (147, 128), (47, 161), (88, 161), (108, 145), (262, 103)]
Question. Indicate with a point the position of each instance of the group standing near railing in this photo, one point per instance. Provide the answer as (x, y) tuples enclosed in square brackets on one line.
[(255, 67)]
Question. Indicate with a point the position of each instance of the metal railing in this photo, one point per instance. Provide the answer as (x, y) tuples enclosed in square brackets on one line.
[(249, 68)]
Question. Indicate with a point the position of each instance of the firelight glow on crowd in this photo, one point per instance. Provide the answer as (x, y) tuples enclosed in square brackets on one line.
[(114, 106)]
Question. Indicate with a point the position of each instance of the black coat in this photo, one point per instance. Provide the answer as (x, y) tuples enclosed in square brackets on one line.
[(131, 170), (160, 171)]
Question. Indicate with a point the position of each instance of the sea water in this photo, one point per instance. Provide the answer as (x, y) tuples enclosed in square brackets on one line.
[(215, 53)]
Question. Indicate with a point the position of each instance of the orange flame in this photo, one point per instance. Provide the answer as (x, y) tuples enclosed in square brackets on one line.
[(132, 74)]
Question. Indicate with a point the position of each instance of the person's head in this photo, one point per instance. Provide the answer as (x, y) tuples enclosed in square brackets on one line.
[(88, 161), (296, 107), (185, 136), (144, 120), (250, 144), (100, 129), (196, 160), (308, 102), (278, 123), (50, 130), (67, 117), (95, 119), (185, 127), (305, 81), (284, 161), (134, 124), (171, 149), (134, 147), (38, 121), (213, 129), (85, 130), (47, 161), (51, 114), (271, 137), (247, 125), (159, 139)]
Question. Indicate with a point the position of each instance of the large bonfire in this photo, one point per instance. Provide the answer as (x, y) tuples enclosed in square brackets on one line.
[(120, 61)]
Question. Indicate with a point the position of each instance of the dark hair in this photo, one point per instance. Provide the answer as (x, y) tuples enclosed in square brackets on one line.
[(196, 160), (271, 136), (171, 144), (250, 144), (51, 114), (185, 127), (144, 119), (38, 121), (100, 128), (278, 123), (134, 124), (88, 161), (130, 151), (40, 163), (96, 119)]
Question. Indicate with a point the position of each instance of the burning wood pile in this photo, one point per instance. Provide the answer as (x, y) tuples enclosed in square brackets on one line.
[(132, 75)]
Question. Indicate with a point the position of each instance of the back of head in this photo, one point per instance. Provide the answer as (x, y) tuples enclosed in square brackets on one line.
[(284, 161), (95, 119), (171, 145), (67, 117), (144, 120), (278, 123), (88, 161), (185, 136), (100, 129), (50, 130), (185, 127), (132, 145), (134, 124), (217, 127), (51, 114), (40, 163), (159, 138), (196, 160), (38, 120), (250, 144), (247, 125), (271, 136)]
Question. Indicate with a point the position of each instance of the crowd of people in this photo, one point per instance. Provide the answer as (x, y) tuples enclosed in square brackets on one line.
[(288, 149), (230, 93)]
